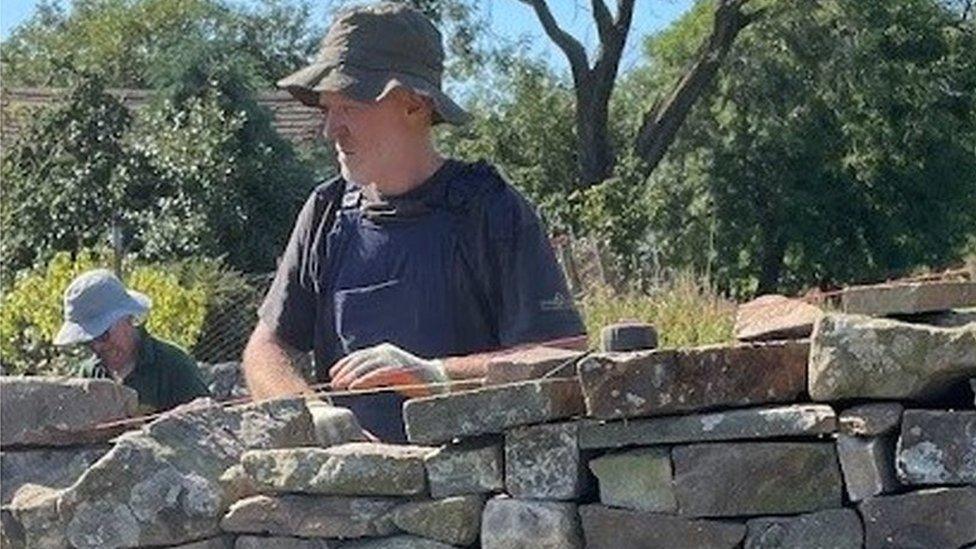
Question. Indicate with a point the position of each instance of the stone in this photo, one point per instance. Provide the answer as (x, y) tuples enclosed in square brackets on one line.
[(468, 467), (55, 468), (868, 420), (225, 380), (282, 542), (11, 532), (640, 479), (396, 542), (867, 464), (772, 317), (35, 510), (862, 357), (833, 528), (334, 425), (509, 523), (972, 386), (607, 528), (934, 517), (756, 478), (162, 485), (311, 516), (937, 447), (53, 411), (531, 363), (621, 385), (221, 542), (795, 420), (490, 410), (628, 336), (945, 319), (543, 462), (353, 469), (907, 299), (455, 520)]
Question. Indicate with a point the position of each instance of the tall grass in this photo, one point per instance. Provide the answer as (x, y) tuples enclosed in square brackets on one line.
[(685, 311)]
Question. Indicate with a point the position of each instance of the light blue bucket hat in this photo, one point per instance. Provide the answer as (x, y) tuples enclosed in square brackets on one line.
[(94, 302)]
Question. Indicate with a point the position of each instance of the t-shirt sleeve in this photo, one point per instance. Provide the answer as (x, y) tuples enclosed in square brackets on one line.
[(531, 297), (289, 306)]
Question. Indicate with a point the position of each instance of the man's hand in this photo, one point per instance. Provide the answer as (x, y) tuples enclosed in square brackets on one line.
[(385, 365)]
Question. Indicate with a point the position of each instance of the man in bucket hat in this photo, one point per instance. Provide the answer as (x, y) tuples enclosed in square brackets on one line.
[(100, 312), (408, 269)]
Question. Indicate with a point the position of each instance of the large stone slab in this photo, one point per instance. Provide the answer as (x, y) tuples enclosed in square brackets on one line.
[(833, 528), (396, 542), (543, 462), (490, 410), (794, 420), (311, 516), (468, 467), (772, 317), (607, 528), (868, 420), (868, 465), (640, 479), (220, 542), (454, 520), (861, 357), (937, 447), (55, 468), (162, 485), (756, 478), (52, 411), (619, 385), (908, 299), (515, 524), (34, 510), (935, 517), (282, 542), (356, 468), (532, 363)]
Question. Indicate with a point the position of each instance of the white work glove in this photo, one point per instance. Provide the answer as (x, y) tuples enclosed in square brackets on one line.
[(385, 365)]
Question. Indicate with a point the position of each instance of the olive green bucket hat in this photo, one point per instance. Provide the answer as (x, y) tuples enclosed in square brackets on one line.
[(373, 49)]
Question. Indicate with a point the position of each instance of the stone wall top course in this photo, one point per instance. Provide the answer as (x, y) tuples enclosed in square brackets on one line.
[(908, 298)]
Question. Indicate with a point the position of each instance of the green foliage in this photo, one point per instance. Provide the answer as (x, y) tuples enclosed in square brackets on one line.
[(31, 314)]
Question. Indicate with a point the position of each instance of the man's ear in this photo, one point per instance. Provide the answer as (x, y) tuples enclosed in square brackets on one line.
[(418, 107)]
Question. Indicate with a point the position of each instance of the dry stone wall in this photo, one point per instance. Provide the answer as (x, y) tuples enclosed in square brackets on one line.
[(819, 429)]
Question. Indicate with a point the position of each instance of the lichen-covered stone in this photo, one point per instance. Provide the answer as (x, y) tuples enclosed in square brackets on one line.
[(937, 447), (53, 411), (35, 510), (908, 298), (861, 357), (312, 516), (621, 385), (356, 468), (756, 478), (935, 517), (640, 479), (516, 524), (531, 363), (455, 520), (867, 464), (283, 542), (396, 542), (543, 462), (334, 425), (490, 410), (469, 467), (833, 528), (55, 468), (607, 528), (11, 532), (868, 420), (772, 317), (220, 542), (793, 420)]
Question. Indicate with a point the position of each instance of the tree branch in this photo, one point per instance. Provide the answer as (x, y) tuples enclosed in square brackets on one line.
[(574, 51), (604, 21)]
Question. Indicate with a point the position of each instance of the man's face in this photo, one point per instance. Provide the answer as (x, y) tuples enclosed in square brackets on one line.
[(118, 346), (371, 139)]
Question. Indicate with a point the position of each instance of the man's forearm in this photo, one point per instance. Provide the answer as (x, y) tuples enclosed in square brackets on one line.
[(268, 367), (476, 365)]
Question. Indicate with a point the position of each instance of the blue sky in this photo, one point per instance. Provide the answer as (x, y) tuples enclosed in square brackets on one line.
[(509, 19)]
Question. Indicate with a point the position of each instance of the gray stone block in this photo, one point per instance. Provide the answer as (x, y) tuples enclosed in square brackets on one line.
[(219, 542), (867, 464), (752, 423), (607, 528), (621, 385), (470, 467), (772, 317), (532, 363), (906, 299), (455, 520), (868, 420), (830, 529), (756, 478), (640, 479), (935, 517), (312, 516), (543, 462), (937, 447), (490, 410), (334, 425), (352, 469), (520, 524), (861, 357), (396, 542), (55, 468), (280, 542), (35, 510)]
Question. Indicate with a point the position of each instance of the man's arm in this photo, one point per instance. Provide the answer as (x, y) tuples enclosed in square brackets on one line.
[(268, 368), (476, 365)]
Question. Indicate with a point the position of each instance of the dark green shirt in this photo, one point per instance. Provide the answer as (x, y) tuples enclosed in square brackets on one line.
[(164, 375)]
